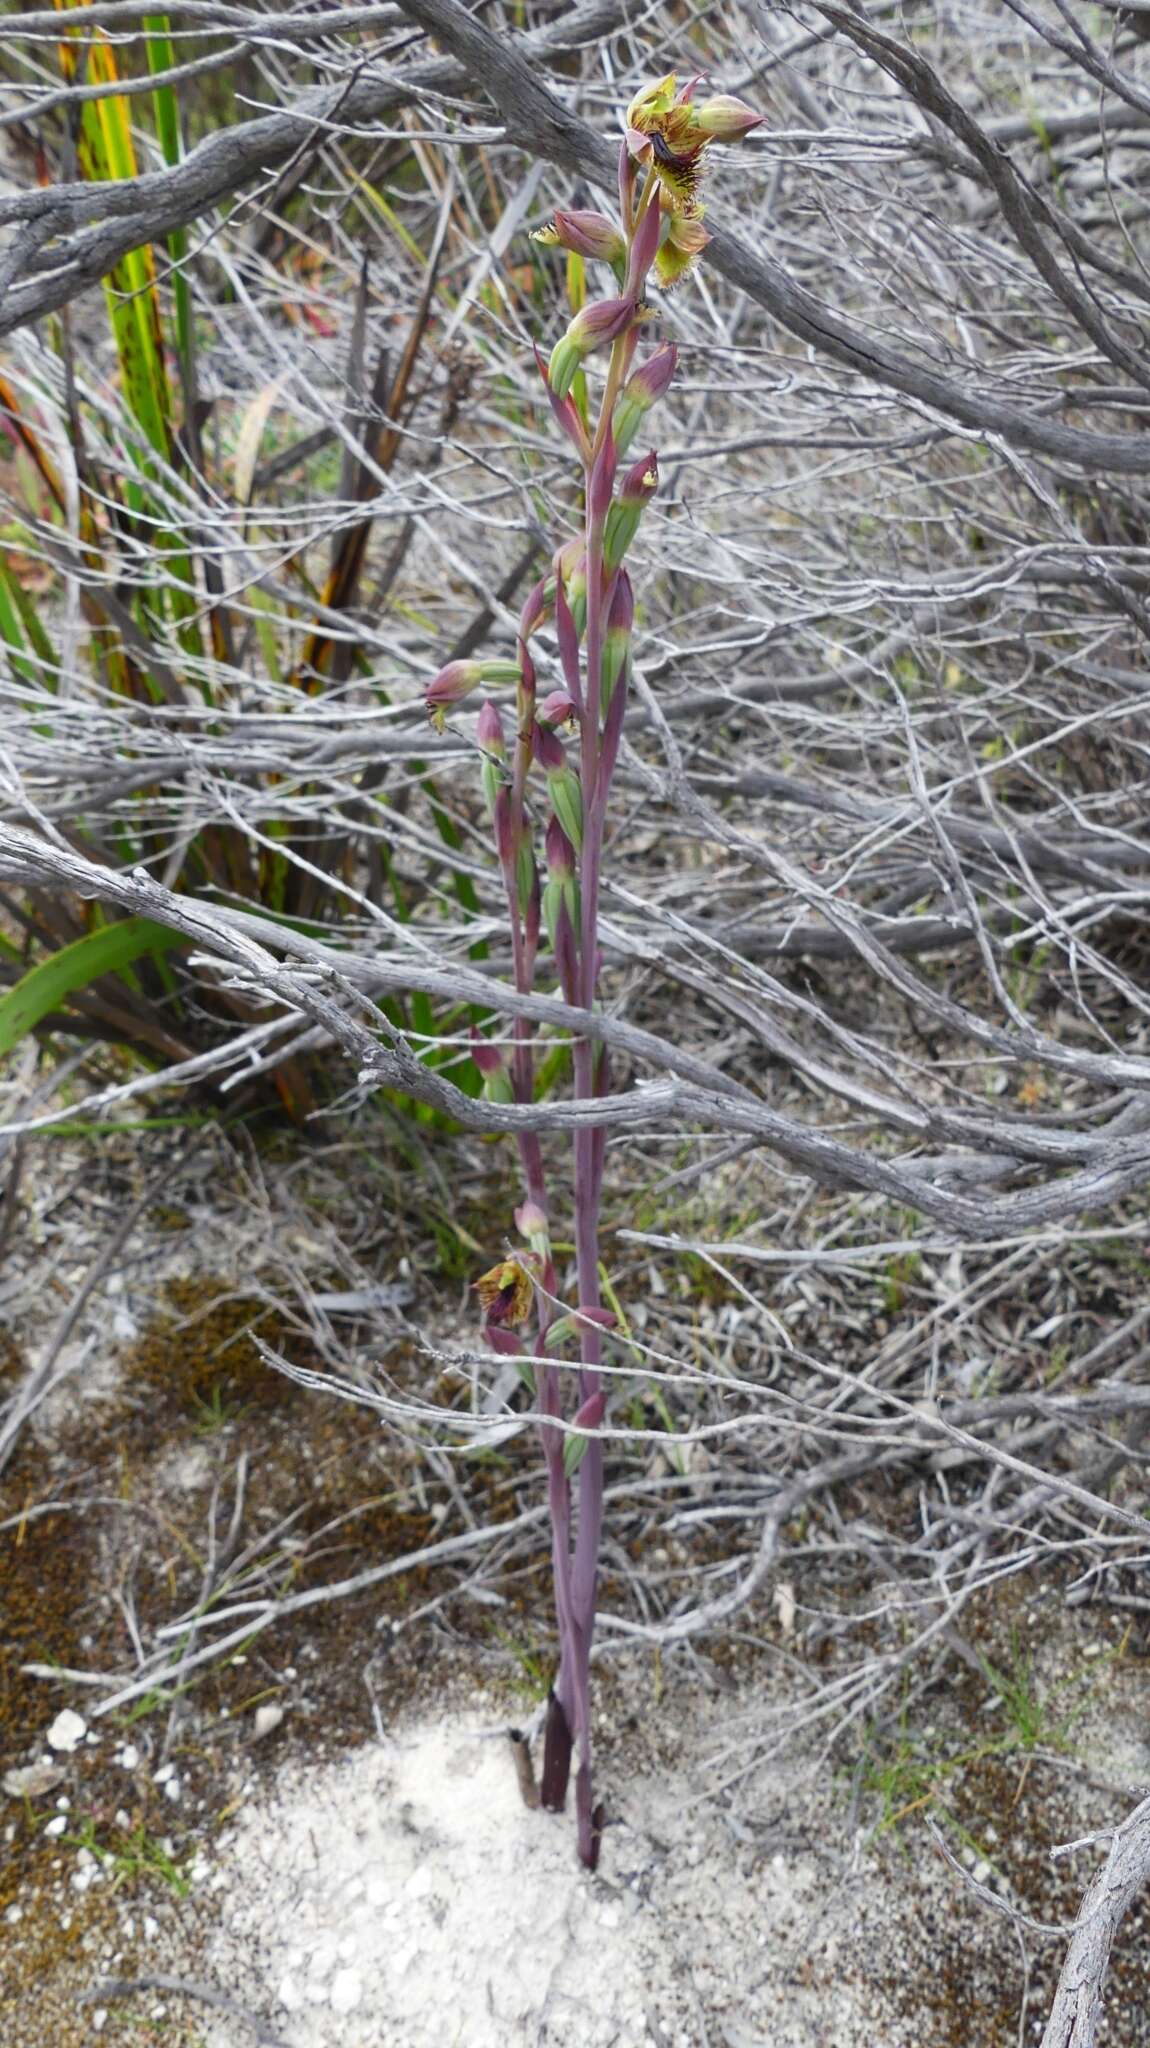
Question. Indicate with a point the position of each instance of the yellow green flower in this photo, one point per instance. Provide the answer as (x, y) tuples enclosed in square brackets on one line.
[(668, 133), (506, 1293)]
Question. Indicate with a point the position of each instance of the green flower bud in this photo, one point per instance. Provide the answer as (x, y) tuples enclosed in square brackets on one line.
[(567, 799)]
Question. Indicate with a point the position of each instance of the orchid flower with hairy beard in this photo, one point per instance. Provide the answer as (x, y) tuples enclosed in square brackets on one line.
[(568, 743)]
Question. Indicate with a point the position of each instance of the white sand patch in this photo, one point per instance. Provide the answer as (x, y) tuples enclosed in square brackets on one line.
[(405, 1898)]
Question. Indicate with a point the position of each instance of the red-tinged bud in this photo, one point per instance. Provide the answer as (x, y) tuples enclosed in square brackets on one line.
[(640, 393), (489, 730), (560, 854), (602, 1318), (575, 1447), (489, 733), (451, 686), (531, 1223), (459, 678), (593, 328), (621, 613), (635, 493), (561, 901), (643, 250), (594, 1408), (725, 119), (547, 749), (537, 608), (587, 234), (641, 481), (559, 709), (504, 1341), (616, 638), (567, 800), (490, 1059)]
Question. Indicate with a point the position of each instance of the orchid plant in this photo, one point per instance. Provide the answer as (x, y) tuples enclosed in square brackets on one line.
[(548, 788)]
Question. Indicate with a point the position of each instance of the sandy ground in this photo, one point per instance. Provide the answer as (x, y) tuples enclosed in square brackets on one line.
[(324, 1833), (400, 1895)]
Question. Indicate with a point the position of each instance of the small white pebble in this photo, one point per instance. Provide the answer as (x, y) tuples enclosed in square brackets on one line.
[(13, 1914), (129, 1757), (57, 1826), (267, 1720), (67, 1731), (99, 2019), (151, 1927), (346, 1990), (289, 1994), (165, 1772)]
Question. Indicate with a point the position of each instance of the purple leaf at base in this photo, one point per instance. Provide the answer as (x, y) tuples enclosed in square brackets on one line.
[(556, 1758)]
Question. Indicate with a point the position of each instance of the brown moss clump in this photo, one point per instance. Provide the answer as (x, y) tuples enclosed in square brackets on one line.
[(199, 1356)]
